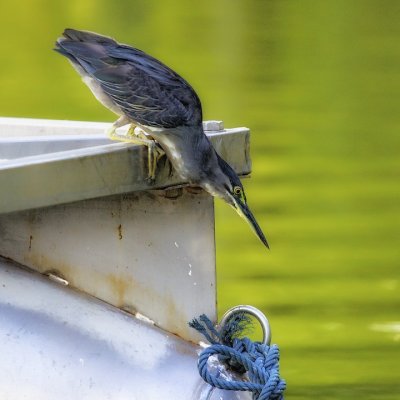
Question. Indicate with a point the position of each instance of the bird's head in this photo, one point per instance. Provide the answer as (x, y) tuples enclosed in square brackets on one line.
[(226, 185)]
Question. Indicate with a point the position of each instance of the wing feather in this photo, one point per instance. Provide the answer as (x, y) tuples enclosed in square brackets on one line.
[(145, 90)]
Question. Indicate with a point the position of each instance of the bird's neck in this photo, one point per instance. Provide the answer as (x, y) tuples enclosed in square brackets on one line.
[(213, 177), (192, 155), (208, 162)]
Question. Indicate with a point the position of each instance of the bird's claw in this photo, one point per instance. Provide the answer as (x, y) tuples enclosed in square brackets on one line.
[(137, 136), (150, 180), (155, 152)]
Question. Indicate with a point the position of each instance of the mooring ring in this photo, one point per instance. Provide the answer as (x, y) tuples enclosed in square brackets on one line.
[(255, 312)]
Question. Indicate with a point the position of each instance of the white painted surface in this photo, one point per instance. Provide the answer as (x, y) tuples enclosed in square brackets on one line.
[(57, 343), (45, 162)]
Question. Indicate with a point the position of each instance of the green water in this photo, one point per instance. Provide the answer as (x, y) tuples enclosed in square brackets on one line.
[(318, 83)]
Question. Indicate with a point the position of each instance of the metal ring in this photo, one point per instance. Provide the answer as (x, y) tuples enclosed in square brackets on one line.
[(255, 312)]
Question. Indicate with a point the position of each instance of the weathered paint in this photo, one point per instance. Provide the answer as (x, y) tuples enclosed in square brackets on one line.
[(142, 251)]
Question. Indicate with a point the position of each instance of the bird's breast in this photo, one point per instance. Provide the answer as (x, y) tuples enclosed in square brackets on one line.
[(178, 148)]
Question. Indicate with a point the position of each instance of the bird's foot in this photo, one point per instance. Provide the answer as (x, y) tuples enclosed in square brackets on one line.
[(154, 153), (113, 135), (154, 150), (136, 135), (112, 131)]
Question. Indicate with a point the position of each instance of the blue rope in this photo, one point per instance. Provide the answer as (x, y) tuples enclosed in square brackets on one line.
[(260, 361)]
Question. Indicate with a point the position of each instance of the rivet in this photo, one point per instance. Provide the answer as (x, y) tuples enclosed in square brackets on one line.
[(213, 126), (57, 279)]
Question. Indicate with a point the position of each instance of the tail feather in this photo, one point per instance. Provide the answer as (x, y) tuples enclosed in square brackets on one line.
[(87, 49), (64, 52), (83, 50), (87, 36)]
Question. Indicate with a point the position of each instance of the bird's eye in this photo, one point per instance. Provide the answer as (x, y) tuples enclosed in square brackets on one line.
[(237, 190)]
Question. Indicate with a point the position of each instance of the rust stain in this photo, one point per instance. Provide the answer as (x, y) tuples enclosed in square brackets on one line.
[(125, 290), (176, 321), (120, 232), (44, 265), (194, 189), (120, 285), (173, 193), (122, 290)]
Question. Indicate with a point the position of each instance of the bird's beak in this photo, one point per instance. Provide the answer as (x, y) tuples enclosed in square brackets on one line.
[(243, 210)]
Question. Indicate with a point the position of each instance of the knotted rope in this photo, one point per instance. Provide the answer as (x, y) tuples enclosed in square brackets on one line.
[(259, 361)]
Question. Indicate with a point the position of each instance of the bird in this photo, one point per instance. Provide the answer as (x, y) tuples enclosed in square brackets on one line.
[(162, 110)]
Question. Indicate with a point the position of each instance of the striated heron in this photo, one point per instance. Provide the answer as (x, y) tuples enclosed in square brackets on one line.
[(162, 109)]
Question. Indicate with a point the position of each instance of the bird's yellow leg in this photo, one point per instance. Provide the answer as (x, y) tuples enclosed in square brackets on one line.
[(113, 135), (154, 151), (112, 131), (136, 135)]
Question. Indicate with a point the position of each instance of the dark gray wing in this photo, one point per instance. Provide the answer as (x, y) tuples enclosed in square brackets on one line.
[(145, 89)]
